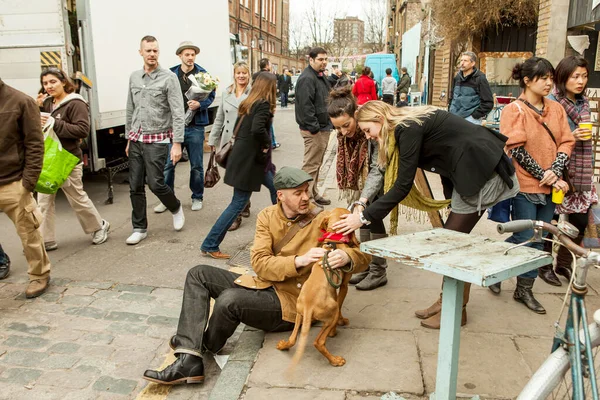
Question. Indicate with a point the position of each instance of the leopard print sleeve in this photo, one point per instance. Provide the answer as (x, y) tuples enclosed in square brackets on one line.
[(559, 164), (527, 162)]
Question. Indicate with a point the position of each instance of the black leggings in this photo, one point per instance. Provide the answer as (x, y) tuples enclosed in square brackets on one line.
[(580, 221), (462, 222)]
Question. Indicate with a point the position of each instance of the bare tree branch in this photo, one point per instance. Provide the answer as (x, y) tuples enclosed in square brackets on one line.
[(376, 17)]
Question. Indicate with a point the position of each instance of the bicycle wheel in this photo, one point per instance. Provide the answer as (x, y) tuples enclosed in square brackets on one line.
[(553, 380)]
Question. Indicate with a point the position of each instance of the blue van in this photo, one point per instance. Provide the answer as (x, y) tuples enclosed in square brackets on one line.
[(378, 64)]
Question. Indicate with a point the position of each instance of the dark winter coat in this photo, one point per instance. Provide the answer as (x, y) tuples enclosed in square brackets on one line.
[(466, 154), (471, 95), (247, 162), (312, 91), (201, 117), (285, 83)]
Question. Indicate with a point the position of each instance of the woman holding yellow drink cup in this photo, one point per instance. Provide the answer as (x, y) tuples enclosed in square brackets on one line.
[(540, 143), (570, 83)]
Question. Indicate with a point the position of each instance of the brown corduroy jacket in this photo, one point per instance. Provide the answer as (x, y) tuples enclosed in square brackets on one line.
[(279, 270), (21, 138)]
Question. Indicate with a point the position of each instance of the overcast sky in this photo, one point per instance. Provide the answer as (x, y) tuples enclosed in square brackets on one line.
[(351, 8)]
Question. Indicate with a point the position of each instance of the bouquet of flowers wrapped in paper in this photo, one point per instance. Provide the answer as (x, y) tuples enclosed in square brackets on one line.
[(202, 84)]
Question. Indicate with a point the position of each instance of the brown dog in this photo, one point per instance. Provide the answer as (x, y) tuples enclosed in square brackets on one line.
[(319, 300)]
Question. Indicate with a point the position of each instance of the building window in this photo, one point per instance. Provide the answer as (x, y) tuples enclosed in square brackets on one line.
[(256, 9)]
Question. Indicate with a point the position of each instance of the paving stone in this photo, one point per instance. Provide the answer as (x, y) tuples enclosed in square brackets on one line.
[(292, 394), (80, 291), (130, 355), (247, 346), (125, 317), (30, 329), (121, 327), (109, 384), (166, 293), (392, 354), (64, 348), (136, 342), (77, 300), (88, 312), (55, 289), (93, 285), (134, 288), (6, 304), (50, 297), (59, 361), (61, 282), (11, 291), (160, 320), (23, 358), (114, 304), (107, 294), (99, 337), (20, 375), (160, 331), (88, 324), (136, 297), (231, 382), (101, 351), (25, 342), (76, 378), (64, 334), (172, 312)]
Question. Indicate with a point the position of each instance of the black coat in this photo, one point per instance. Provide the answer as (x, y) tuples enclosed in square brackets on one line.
[(448, 145), (312, 91), (284, 83), (247, 162)]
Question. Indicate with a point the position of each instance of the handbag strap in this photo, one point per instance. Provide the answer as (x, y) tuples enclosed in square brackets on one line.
[(211, 160), (295, 229), (237, 127)]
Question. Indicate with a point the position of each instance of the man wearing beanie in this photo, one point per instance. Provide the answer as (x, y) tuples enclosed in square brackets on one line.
[(282, 257)]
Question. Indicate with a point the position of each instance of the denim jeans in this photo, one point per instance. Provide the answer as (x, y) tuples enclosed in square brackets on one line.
[(194, 143), (523, 209), (4, 259), (238, 202), (146, 164), (260, 309), (473, 120), (284, 99), (273, 141)]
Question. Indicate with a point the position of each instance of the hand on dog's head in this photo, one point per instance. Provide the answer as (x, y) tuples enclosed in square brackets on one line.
[(334, 216)]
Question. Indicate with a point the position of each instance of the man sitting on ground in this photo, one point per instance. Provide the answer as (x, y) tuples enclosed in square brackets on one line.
[(282, 257)]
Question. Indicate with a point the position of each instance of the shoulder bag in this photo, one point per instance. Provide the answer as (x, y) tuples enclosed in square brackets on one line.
[(295, 229), (223, 154)]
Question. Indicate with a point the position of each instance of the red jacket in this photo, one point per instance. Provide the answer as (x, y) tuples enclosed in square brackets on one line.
[(364, 90)]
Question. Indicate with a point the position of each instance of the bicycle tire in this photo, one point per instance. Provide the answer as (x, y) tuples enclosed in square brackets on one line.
[(550, 374)]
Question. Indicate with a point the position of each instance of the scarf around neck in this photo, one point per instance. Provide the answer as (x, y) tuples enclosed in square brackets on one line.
[(352, 165), (580, 167)]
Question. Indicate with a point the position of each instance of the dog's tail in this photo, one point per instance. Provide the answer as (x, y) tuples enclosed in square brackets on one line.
[(306, 323)]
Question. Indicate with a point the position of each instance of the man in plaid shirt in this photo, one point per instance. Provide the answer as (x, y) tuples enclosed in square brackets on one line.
[(154, 119)]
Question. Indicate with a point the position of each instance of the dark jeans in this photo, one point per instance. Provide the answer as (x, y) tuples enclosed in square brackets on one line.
[(260, 309), (229, 215), (388, 98), (284, 99), (273, 140), (194, 143), (523, 209), (146, 164), (4, 259)]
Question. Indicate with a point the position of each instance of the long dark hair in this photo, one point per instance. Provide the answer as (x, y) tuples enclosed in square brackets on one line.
[(341, 101), (264, 88), (60, 75), (532, 68), (565, 69)]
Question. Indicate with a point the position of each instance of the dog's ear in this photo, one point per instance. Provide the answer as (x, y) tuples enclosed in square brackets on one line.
[(325, 223), (354, 240)]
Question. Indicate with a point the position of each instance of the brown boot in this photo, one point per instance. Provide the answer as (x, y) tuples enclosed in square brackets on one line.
[(37, 287), (236, 224), (434, 309), (434, 321)]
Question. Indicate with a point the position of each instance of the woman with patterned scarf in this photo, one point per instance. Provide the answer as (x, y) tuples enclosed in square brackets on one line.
[(360, 179), (570, 83)]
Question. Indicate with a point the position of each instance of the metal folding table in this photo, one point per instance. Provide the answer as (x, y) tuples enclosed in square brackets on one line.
[(460, 258)]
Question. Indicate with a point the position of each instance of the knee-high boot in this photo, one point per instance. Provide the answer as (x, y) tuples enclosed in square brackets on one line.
[(564, 260), (434, 321), (364, 235), (377, 270)]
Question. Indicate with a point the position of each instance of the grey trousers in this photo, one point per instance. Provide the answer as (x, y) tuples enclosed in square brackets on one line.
[(260, 309)]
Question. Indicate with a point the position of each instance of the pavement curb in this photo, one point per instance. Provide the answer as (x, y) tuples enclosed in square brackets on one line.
[(233, 377)]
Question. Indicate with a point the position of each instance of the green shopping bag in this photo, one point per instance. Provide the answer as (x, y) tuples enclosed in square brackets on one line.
[(58, 163)]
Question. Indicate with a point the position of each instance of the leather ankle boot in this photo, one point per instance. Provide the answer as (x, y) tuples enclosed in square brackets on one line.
[(496, 288), (564, 260), (236, 224), (433, 322), (246, 212), (377, 270), (432, 310), (524, 294), (186, 368), (547, 275), (356, 278)]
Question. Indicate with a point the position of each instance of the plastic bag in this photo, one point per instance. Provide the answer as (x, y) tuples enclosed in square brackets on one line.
[(58, 163)]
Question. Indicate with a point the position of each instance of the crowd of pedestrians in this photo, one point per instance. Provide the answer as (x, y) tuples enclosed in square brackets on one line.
[(543, 146)]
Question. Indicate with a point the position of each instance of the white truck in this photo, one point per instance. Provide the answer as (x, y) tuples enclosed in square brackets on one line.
[(97, 42)]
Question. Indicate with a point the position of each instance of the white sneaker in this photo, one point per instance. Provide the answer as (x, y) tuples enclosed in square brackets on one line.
[(160, 208), (196, 205), (101, 235), (136, 237), (178, 219)]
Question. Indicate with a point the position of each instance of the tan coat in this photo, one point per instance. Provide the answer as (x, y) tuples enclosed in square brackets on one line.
[(279, 270)]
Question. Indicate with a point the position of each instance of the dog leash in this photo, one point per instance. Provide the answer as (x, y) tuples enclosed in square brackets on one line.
[(330, 273)]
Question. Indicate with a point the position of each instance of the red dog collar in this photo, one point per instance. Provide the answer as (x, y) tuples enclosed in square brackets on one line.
[(333, 237)]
